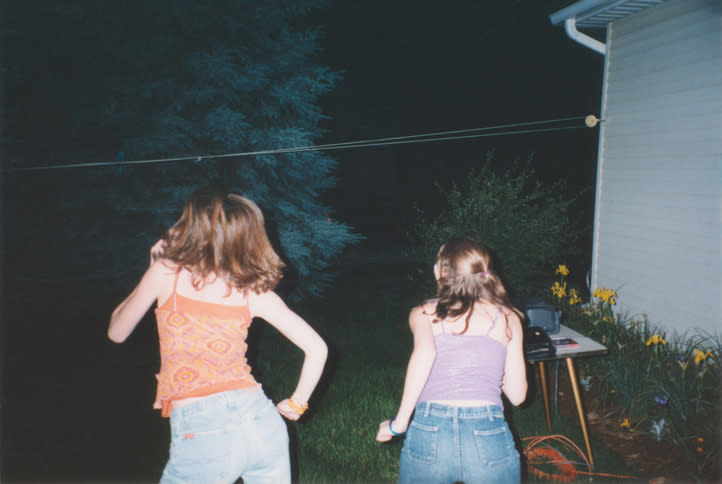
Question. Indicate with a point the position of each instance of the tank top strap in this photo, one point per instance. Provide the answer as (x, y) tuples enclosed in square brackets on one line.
[(175, 285), (493, 323)]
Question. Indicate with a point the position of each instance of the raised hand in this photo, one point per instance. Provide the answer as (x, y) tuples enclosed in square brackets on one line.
[(157, 250)]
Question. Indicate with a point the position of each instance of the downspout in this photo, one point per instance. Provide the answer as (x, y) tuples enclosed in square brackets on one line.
[(570, 25), (600, 168)]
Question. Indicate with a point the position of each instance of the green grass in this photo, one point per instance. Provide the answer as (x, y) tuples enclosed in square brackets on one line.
[(364, 321)]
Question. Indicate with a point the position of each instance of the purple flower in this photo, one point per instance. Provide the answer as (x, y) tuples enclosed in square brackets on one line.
[(661, 401)]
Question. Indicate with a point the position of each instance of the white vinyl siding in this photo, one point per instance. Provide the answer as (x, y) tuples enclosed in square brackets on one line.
[(658, 220)]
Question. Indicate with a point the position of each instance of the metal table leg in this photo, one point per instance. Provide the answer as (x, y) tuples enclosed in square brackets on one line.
[(545, 392), (580, 408)]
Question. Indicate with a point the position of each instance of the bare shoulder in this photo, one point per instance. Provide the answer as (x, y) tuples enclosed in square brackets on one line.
[(161, 275), (422, 314), (428, 309), (265, 297), (159, 272), (514, 322), (165, 268), (265, 303)]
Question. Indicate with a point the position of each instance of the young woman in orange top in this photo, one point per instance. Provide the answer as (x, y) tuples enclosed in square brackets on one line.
[(212, 273)]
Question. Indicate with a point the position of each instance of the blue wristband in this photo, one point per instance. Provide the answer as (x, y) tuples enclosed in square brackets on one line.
[(391, 429)]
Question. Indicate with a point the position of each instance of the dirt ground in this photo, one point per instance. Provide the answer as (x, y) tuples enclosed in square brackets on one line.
[(660, 462)]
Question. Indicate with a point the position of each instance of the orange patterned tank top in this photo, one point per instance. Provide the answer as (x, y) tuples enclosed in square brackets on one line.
[(202, 349)]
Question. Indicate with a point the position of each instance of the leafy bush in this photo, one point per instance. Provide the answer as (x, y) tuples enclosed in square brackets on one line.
[(525, 223)]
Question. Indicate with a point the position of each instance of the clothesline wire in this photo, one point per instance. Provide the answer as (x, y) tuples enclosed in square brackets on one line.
[(388, 141), (458, 131), (409, 141)]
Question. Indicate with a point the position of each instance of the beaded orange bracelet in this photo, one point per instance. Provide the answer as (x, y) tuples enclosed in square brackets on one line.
[(296, 407)]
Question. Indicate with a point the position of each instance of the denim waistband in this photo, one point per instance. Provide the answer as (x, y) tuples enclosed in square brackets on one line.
[(440, 410), (215, 400)]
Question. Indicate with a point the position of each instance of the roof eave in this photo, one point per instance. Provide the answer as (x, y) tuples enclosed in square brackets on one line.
[(597, 14), (574, 10)]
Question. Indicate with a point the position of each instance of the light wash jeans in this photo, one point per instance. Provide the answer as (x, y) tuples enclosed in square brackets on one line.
[(228, 435), (446, 444)]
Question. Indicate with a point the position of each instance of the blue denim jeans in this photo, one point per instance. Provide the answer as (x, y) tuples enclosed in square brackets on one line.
[(228, 435), (446, 444)]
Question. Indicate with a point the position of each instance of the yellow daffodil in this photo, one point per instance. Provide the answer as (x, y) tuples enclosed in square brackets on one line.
[(559, 290), (562, 269), (606, 295), (700, 355), (655, 340), (574, 297), (626, 423)]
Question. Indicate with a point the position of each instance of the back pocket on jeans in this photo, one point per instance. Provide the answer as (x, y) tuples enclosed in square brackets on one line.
[(421, 442), (495, 445)]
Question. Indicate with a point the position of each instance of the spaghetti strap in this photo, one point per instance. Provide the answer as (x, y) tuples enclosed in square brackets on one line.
[(493, 323), (175, 285)]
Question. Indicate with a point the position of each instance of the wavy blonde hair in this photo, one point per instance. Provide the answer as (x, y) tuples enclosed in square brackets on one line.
[(223, 234), (466, 277)]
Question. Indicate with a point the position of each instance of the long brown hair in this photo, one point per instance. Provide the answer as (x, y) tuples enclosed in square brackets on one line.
[(223, 234), (466, 277)]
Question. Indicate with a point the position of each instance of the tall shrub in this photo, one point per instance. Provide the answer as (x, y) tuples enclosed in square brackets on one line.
[(525, 223)]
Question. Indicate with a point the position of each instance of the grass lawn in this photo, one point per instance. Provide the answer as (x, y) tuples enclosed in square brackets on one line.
[(364, 320), (77, 408)]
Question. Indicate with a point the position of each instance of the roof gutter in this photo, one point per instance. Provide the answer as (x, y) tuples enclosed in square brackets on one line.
[(570, 26)]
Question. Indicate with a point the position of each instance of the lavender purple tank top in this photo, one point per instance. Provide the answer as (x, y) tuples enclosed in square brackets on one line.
[(467, 367)]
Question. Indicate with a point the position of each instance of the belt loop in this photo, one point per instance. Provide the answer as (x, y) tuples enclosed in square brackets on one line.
[(427, 409)]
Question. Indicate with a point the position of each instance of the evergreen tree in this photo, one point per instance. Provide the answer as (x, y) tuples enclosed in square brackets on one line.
[(211, 78)]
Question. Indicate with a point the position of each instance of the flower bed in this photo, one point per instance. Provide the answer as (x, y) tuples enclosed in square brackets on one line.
[(666, 387)]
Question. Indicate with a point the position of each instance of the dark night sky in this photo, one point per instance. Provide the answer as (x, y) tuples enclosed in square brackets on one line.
[(419, 67), (410, 67)]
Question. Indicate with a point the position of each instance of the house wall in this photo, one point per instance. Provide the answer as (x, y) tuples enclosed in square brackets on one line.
[(658, 221)]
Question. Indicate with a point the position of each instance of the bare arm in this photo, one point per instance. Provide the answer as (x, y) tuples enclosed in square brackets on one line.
[(270, 307), (420, 363), (514, 384), (128, 314)]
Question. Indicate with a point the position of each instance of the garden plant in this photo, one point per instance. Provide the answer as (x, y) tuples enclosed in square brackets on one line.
[(660, 386)]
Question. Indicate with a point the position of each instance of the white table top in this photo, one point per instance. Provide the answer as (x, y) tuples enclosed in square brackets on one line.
[(587, 346)]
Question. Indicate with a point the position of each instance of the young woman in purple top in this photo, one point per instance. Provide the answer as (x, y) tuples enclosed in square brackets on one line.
[(467, 351)]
